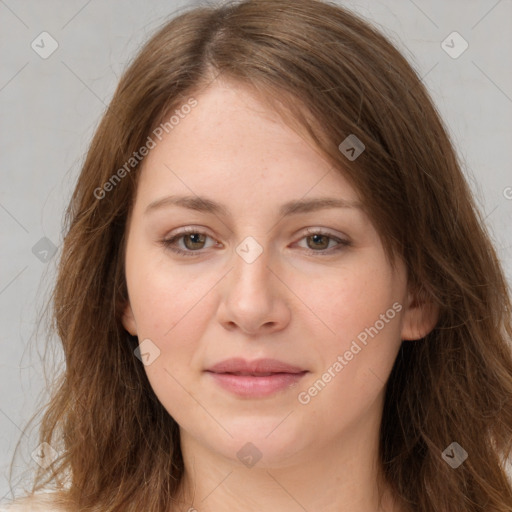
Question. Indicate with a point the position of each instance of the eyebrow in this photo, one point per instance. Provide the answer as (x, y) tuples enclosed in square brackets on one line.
[(203, 204)]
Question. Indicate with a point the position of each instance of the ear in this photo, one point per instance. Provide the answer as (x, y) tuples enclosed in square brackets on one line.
[(128, 320), (420, 316)]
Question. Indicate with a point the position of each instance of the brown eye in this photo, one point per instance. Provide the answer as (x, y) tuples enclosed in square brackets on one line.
[(322, 243), (194, 240), (318, 241), (189, 243)]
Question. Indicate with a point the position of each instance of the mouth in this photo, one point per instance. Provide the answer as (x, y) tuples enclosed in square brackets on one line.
[(257, 379)]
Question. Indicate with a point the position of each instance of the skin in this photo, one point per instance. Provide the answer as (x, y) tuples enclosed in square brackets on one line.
[(292, 304)]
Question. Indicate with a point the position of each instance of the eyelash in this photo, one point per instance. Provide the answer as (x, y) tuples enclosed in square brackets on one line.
[(169, 243)]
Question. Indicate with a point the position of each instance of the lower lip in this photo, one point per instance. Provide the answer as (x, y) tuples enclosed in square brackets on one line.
[(256, 387)]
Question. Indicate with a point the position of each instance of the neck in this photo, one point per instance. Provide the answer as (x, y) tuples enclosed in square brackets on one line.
[(339, 476)]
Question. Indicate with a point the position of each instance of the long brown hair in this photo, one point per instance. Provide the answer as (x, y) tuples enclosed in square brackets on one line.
[(331, 75)]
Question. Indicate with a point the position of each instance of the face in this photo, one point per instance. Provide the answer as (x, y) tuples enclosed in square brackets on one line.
[(259, 269)]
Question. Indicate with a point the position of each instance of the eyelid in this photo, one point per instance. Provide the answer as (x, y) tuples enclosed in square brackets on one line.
[(188, 229), (322, 231)]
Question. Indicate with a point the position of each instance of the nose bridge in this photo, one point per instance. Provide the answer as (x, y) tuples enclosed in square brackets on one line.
[(251, 261), (251, 298)]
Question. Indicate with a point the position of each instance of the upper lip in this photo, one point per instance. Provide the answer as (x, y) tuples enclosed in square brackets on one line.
[(256, 367)]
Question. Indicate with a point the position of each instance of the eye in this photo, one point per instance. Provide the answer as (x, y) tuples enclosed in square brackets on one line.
[(193, 240), (323, 243)]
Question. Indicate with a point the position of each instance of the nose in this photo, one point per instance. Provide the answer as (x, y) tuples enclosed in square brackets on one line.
[(253, 298)]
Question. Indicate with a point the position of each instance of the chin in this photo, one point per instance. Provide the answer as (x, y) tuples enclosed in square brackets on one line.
[(268, 440)]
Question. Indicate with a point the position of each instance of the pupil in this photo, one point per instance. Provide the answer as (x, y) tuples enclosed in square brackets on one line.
[(318, 238), (194, 238)]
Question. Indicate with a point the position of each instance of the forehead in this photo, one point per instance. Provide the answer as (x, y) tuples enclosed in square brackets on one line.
[(234, 147)]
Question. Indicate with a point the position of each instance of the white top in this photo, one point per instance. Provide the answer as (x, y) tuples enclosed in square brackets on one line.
[(42, 502)]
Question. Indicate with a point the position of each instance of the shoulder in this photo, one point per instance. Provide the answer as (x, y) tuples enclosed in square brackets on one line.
[(42, 502)]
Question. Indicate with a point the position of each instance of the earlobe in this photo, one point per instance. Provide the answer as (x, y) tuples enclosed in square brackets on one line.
[(128, 320), (420, 317)]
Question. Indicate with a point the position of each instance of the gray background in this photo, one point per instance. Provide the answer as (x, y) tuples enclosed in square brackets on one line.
[(50, 108)]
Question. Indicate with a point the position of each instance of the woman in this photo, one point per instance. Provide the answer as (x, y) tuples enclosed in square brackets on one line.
[(275, 291)]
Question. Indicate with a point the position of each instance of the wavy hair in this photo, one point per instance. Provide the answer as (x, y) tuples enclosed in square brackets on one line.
[(330, 74)]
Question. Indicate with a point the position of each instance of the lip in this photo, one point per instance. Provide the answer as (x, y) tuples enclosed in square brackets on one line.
[(240, 365), (255, 379)]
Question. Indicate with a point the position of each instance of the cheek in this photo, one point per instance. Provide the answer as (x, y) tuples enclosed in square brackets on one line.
[(363, 312), (163, 296), (356, 301), (171, 311)]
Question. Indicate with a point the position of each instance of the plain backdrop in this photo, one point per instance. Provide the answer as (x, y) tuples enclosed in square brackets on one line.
[(51, 106)]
